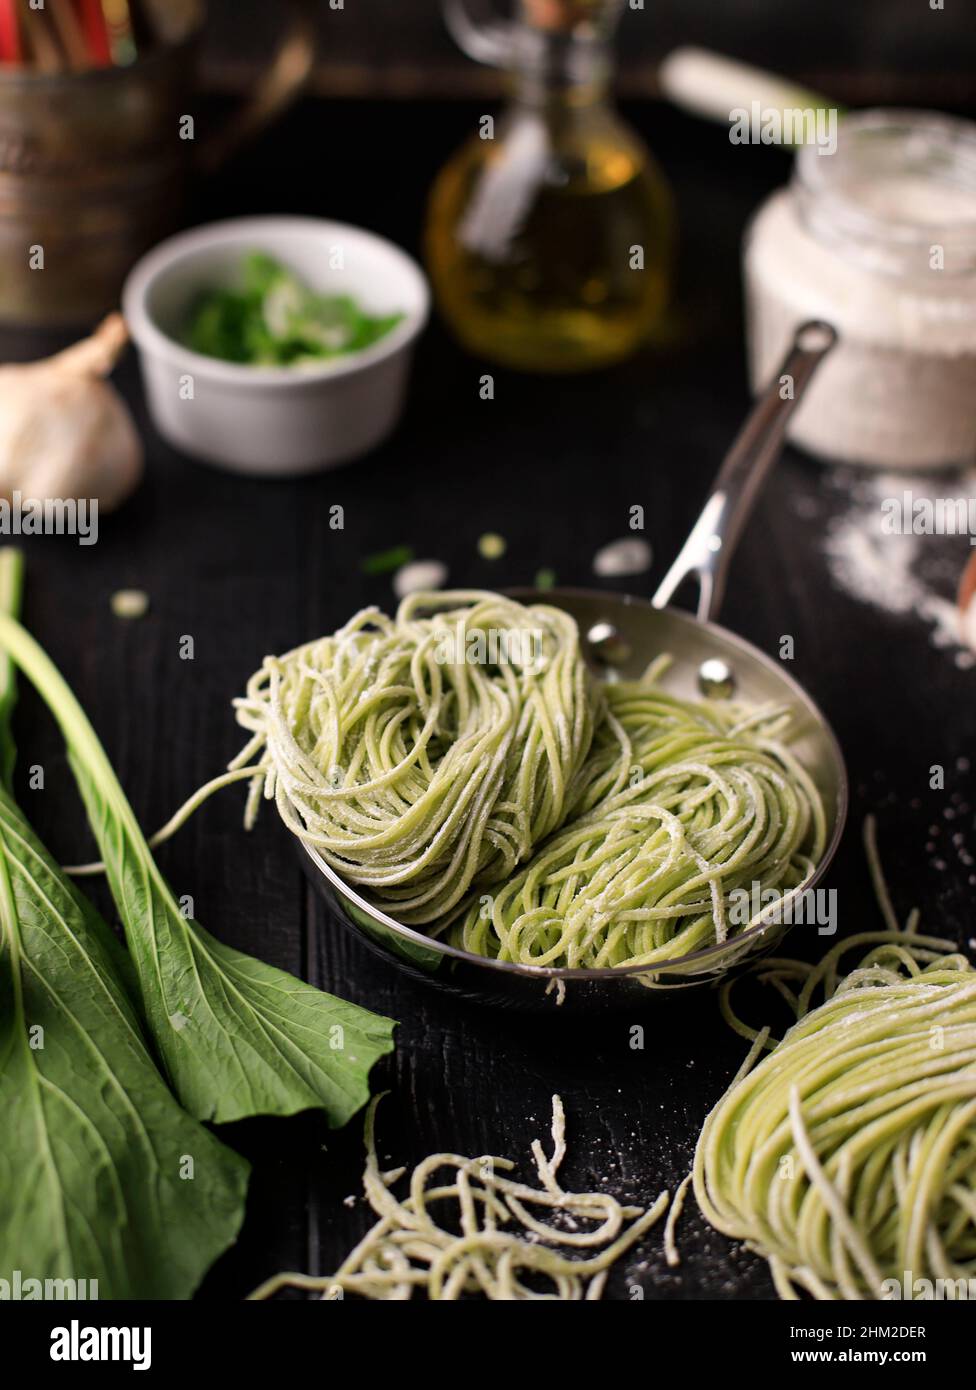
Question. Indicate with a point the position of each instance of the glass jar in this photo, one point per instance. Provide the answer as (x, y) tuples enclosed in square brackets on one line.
[(879, 239), (549, 233)]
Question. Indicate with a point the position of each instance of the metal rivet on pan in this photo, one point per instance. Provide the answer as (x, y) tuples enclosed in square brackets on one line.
[(716, 679), (607, 645)]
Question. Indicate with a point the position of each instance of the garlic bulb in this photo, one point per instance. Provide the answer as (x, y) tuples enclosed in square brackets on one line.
[(66, 432)]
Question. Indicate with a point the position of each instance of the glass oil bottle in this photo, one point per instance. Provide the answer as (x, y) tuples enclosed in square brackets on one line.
[(549, 234)]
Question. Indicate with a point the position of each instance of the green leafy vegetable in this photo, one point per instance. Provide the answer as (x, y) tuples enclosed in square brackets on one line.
[(274, 320), (237, 1037), (102, 1176)]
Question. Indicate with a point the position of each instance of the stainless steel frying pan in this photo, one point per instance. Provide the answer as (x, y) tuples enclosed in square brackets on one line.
[(621, 635)]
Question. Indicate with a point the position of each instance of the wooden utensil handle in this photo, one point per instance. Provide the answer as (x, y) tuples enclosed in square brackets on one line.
[(279, 85)]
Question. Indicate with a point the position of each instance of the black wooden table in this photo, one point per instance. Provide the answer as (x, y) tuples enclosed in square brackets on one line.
[(250, 567)]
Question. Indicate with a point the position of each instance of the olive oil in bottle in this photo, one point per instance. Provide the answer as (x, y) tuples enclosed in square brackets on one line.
[(549, 234)]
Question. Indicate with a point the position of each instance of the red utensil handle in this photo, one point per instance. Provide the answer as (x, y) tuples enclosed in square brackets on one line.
[(96, 33), (11, 49)]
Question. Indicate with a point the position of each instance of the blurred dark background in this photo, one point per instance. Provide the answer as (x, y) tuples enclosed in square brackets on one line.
[(860, 51)]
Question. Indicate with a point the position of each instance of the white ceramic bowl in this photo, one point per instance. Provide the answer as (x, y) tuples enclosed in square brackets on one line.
[(274, 420)]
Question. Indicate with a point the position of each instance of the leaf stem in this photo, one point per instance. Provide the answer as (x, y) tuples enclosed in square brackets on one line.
[(11, 594)]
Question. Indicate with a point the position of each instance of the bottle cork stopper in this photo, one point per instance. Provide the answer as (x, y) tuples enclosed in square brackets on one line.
[(562, 16)]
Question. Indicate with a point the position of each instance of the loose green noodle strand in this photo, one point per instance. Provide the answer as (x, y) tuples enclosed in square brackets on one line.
[(472, 1234), (177, 820), (847, 1157)]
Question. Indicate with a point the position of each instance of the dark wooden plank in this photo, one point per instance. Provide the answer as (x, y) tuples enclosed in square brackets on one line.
[(897, 51)]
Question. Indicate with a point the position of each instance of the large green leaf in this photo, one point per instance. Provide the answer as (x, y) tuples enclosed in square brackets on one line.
[(102, 1175), (237, 1037)]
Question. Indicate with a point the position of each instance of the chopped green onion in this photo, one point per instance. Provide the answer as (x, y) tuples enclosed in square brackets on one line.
[(274, 320), (385, 561), (491, 546)]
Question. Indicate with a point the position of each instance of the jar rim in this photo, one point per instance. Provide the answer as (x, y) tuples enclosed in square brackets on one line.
[(892, 142)]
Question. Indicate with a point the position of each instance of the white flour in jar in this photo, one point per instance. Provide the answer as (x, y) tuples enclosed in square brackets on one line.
[(871, 242)]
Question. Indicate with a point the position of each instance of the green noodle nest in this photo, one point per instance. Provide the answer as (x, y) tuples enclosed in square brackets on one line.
[(681, 805), (414, 767), (485, 787), (848, 1156)]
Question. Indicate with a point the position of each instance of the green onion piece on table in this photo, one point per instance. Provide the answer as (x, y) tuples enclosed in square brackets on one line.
[(386, 561)]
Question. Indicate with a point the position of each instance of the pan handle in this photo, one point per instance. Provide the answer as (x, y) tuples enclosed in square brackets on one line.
[(709, 548)]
